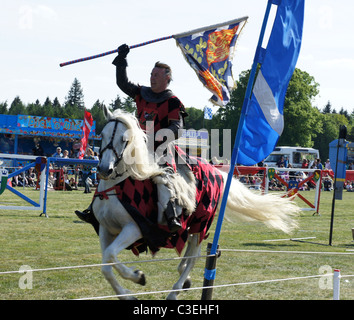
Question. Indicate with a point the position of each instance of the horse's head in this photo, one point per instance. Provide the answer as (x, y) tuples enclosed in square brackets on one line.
[(115, 137), (124, 148)]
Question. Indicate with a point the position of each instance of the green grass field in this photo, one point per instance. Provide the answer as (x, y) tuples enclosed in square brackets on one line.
[(62, 240)]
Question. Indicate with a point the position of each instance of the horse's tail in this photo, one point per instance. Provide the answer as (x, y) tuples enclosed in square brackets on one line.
[(271, 209)]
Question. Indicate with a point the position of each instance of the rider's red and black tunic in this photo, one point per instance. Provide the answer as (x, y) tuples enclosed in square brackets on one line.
[(161, 113), (163, 108)]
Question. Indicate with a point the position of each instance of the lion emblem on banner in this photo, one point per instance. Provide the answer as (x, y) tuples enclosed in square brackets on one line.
[(219, 45)]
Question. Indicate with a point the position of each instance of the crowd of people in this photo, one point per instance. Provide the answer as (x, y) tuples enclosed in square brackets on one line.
[(87, 173), (26, 179), (297, 175), (59, 174)]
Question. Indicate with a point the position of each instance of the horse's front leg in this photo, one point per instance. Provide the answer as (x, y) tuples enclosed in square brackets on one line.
[(110, 248), (186, 265)]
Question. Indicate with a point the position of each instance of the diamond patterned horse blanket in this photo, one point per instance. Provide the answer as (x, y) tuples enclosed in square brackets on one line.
[(139, 198)]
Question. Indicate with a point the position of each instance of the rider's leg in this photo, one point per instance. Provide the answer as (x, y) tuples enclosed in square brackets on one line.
[(168, 210), (166, 207)]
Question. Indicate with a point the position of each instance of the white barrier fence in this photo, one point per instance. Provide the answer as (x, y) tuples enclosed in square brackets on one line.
[(335, 277), (294, 183), (290, 180)]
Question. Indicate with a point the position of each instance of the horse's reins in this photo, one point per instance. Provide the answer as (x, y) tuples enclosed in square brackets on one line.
[(109, 146), (103, 194)]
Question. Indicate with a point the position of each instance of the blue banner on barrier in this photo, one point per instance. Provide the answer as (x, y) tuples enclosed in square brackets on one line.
[(44, 126)]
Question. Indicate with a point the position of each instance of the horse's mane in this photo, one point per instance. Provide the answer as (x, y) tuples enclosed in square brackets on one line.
[(140, 163)]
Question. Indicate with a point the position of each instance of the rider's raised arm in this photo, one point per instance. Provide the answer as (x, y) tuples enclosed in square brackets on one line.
[(121, 64)]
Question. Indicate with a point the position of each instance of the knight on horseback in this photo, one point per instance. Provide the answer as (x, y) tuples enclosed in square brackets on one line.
[(158, 105)]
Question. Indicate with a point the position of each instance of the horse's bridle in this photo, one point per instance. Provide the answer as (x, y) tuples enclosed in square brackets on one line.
[(109, 146)]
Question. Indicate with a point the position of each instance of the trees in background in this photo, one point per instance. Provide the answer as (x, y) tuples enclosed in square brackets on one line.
[(305, 125)]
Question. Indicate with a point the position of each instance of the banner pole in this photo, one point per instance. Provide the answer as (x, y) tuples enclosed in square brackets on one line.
[(113, 51), (239, 130), (209, 274), (156, 40)]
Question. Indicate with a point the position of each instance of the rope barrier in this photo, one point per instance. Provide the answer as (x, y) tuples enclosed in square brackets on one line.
[(214, 286), (105, 264), (175, 258), (336, 275), (291, 252)]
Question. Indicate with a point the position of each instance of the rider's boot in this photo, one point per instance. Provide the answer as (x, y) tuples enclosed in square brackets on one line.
[(88, 216)]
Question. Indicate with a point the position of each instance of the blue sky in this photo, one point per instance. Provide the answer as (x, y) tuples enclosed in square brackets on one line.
[(36, 36)]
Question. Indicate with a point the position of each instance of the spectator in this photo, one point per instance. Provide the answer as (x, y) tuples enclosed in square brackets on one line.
[(20, 180), (51, 178), (257, 184), (327, 184), (58, 153), (31, 177), (328, 165), (274, 185), (305, 164), (281, 162), (72, 183), (87, 170), (66, 154), (313, 164), (319, 164), (292, 174), (38, 150)]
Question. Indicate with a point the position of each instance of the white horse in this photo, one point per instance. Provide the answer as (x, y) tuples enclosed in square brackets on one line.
[(124, 160)]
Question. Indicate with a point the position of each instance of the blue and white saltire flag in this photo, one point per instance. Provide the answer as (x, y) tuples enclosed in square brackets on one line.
[(208, 113), (264, 120)]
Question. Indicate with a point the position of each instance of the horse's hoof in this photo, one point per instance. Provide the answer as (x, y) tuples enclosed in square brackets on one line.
[(172, 296), (141, 280), (187, 284)]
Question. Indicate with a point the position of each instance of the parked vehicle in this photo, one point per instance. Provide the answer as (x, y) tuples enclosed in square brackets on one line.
[(292, 155)]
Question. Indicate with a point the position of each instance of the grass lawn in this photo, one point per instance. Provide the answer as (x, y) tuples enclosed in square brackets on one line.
[(62, 240)]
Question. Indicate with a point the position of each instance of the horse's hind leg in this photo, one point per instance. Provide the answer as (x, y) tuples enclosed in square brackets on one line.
[(186, 265), (110, 249), (182, 265)]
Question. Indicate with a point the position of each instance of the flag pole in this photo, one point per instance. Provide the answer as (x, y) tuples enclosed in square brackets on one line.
[(209, 274), (176, 36), (113, 51)]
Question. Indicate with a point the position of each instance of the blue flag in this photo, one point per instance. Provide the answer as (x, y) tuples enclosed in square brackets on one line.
[(264, 120), (208, 113), (209, 51)]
